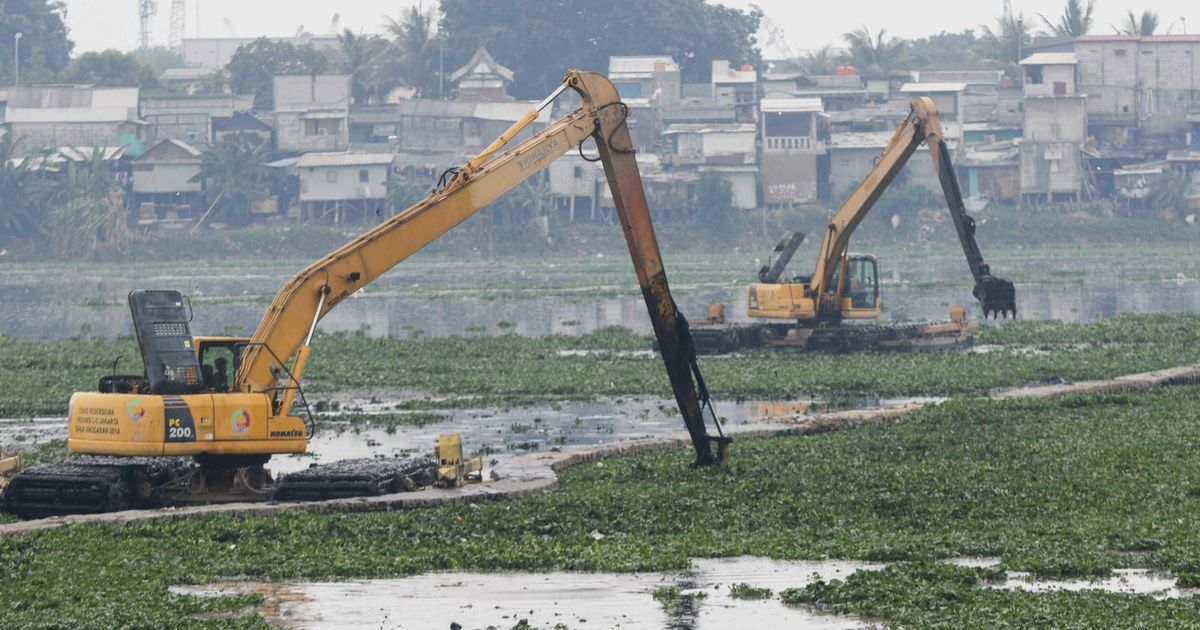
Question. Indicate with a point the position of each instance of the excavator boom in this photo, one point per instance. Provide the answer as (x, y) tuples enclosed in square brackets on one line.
[(283, 335), (922, 126)]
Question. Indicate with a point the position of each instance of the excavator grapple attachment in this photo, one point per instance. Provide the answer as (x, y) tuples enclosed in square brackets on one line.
[(997, 297)]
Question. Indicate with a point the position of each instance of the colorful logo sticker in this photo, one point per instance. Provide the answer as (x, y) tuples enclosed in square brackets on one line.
[(135, 409), (240, 420)]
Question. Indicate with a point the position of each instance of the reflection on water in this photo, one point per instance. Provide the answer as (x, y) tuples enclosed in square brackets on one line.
[(544, 600), (28, 315)]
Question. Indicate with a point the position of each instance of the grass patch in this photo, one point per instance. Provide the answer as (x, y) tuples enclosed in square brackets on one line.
[(511, 370), (1064, 488)]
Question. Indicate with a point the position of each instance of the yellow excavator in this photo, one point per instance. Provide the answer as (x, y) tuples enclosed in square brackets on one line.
[(845, 286), (207, 412)]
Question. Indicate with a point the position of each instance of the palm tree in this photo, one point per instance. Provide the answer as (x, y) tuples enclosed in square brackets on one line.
[(1076, 19), (1144, 25), (363, 58), (90, 217), (23, 194), (1006, 44), (819, 61), (413, 41), (238, 176), (873, 55)]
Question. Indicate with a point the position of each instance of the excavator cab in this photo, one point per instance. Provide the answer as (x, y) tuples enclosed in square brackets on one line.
[(860, 290), (161, 321)]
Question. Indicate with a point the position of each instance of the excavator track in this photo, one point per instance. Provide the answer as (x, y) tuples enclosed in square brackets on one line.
[(99, 484), (91, 485), (355, 478), (732, 337)]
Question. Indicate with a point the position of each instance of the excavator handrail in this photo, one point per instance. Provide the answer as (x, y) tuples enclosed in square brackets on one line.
[(921, 126), (320, 287)]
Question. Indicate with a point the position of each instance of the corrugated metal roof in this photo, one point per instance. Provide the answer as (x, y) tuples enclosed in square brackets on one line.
[(325, 160), (792, 105), (931, 88), (710, 128), (860, 140), (70, 115), (1050, 59), (1149, 39)]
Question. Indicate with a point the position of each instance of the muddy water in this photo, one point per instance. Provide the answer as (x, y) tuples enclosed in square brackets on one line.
[(528, 298), (1129, 581), (498, 433), (576, 600)]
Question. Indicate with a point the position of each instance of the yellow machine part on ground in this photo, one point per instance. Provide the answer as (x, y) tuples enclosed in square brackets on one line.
[(155, 425)]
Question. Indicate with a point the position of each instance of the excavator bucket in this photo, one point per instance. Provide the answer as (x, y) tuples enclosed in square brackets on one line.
[(997, 297)]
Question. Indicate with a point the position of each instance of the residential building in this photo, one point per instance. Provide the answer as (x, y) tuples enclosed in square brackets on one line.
[(1055, 128), (312, 113), (482, 79), (795, 163), (242, 123), (645, 78), (736, 87), (48, 116), (189, 118), (990, 171), (1141, 85), (432, 127), (343, 187), (726, 149), (837, 92), (947, 97), (164, 178), (574, 186)]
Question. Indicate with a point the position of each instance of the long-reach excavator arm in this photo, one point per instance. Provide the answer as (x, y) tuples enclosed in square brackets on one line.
[(274, 359), (922, 126)]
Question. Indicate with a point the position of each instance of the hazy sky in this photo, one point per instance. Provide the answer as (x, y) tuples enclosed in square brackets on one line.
[(100, 24)]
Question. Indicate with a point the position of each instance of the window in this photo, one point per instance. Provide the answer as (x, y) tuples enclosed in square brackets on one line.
[(845, 162), (1120, 52), (1060, 87), (331, 177), (364, 176), (578, 172), (1035, 74)]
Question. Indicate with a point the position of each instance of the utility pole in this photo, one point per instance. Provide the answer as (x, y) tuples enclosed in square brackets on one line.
[(17, 59)]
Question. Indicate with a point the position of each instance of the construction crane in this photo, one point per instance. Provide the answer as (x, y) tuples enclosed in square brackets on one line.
[(147, 9), (178, 25)]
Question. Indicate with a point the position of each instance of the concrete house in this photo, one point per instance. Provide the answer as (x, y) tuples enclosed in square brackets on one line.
[(162, 180), (1055, 129), (574, 186), (726, 149), (76, 116), (947, 97), (794, 137), (737, 87), (190, 119), (242, 123), (343, 187), (312, 113), (1138, 85)]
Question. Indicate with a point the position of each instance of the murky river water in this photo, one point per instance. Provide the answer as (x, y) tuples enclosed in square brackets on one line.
[(464, 298)]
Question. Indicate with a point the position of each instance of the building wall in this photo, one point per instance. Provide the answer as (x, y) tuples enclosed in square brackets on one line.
[(1055, 129), (848, 167), (33, 137), (315, 184), (294, 134), (743, 185), (789, 178), (1145, 84), (165, 177), (1056, 80), (194, 129)]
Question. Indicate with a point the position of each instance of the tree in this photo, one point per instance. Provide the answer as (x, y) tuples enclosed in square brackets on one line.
[(1144, 25), (365, 59), (23, 194), (215, 82), (944, 48), (254, 66), (875, 55), (539, 40), (1006, 44), (413, 53), (45, 47), (89, 217), (819, 61), (159, 59), (1075, 20), (402, 193), (238, 177), (713, 201), (111, 68)]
